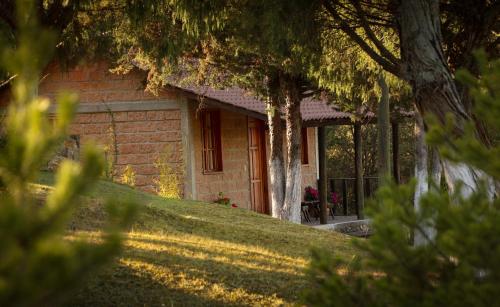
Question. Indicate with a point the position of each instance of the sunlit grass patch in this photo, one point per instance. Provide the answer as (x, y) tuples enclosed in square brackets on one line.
[(197, 254)]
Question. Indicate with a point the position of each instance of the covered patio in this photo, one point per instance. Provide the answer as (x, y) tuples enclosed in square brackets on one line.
[(350, 192)]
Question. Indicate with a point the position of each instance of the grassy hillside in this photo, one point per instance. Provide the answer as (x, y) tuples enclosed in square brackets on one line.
[(193, 253)]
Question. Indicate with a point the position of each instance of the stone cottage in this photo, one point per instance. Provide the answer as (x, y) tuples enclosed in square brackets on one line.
[(215, 140)]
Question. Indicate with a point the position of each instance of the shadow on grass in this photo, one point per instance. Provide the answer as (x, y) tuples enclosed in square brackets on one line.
[(122, 285), (257, 276)]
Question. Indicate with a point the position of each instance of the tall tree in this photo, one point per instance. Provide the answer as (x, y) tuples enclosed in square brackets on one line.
[(276, 159), (383, 123), (234, 43), (426, 59)]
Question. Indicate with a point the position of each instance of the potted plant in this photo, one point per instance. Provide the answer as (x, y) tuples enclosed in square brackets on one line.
[(222, 200)]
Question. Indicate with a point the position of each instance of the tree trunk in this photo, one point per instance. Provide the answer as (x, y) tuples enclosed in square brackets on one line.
[(436, 167), (422, 177), (359, 171), (276, 159), (395, 151), (384, 126), (323, 218), (426, 69), (291, 208)]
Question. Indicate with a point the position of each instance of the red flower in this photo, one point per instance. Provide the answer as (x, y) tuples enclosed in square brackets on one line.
[(311, 194), (335, 198), (234, 206)]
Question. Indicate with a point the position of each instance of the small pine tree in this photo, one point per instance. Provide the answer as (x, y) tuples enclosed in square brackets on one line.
[(37, 266), (460, 266)]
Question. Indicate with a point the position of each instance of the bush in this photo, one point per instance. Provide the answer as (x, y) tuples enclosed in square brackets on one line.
[(460, 266), (169, 181), (128, 176)]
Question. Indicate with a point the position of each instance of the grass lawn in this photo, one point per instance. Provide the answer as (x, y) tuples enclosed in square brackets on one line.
[(192, 253)]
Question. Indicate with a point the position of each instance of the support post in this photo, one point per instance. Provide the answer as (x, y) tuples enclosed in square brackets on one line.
[(323, 217), (395, 152), (345, 195), (358, 161)]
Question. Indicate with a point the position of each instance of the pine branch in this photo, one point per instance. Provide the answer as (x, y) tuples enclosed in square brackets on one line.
[(393, 68), (369, 32)]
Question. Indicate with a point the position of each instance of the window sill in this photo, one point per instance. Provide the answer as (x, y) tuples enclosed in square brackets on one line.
[(212, 173)]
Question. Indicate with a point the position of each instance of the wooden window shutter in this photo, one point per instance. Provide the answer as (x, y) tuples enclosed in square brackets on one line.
[(211, 141)]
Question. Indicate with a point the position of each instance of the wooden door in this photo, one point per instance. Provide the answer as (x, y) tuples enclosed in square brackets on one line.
[(258, 165)]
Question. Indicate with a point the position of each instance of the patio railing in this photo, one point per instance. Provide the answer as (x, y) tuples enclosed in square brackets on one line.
[(346, 191)]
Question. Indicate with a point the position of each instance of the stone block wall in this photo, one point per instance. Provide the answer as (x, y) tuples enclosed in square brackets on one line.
[(309, 171), (139, 137), (95, 84)]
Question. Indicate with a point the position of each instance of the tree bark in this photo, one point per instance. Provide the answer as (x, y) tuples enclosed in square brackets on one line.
[(358, 165), (436, 167), (384, 126), (395, 152), (276, 159), (434, 88), (422, 177), (425, 65), (291, 94)]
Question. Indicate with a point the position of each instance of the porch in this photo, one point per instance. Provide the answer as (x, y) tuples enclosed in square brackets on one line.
[(342, 199), (344, 207)]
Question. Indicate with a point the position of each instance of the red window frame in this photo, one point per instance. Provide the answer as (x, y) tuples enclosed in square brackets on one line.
[(211, 141)]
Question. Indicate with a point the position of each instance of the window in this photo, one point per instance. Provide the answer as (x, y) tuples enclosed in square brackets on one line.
[(211, 141), (304, 149)]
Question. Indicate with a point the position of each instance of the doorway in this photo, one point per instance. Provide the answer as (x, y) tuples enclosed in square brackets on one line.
[(258, 165)]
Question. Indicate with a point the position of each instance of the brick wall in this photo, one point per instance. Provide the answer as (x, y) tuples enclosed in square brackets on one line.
[(141, 136), (233, 181), (94, 84)]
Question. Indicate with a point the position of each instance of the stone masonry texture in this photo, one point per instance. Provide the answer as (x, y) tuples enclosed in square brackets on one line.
[(139, 137)]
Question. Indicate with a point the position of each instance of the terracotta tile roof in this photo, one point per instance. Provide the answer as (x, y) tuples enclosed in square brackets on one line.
[(311, 109)]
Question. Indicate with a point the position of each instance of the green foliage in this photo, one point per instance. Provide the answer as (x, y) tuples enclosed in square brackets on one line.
[(460, 266), (223, 200), (83, 28), (217, 43), (169, 181), (36, 264), (128, 176), (340, 150)]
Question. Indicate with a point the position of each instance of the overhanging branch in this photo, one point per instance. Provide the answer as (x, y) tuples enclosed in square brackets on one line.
[(393, 68), (369, 32)]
